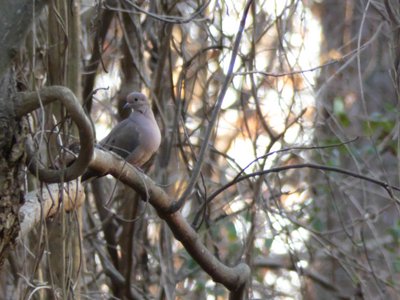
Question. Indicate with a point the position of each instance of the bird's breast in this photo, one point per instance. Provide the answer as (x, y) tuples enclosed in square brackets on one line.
[(150, 136)]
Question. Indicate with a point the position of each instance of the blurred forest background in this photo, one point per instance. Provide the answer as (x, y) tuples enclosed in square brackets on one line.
[(311, 104)]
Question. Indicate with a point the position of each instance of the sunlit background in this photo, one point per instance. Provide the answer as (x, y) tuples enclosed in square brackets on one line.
[(314, 84), (285, 96)]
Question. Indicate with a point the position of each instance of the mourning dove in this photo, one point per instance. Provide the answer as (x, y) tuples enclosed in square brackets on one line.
[(136, 138)]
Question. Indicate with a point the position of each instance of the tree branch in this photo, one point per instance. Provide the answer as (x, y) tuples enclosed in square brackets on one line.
[(234, 278), (26, 102), (45, 203), (204, 147), (382, 184)]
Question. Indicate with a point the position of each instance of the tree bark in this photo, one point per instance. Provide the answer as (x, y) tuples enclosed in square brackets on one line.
[(16, 18), (12, 134)]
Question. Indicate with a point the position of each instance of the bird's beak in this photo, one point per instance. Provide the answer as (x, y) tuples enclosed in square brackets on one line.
[(126, 105)]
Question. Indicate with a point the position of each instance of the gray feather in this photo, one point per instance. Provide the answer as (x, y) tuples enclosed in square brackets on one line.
[(136, 138)]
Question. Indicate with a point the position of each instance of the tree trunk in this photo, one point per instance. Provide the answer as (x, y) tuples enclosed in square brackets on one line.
[(12, 135), (16, 18)]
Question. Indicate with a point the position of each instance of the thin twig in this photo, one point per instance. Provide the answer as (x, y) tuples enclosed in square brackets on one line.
[(383, 184), (215, 113), (163, 18)]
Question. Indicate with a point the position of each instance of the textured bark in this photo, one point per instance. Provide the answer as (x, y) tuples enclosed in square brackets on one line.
[(12, 136), (16, 17)]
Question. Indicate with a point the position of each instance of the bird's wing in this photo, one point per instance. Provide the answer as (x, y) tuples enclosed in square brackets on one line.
[(135, 139), (123, 139)]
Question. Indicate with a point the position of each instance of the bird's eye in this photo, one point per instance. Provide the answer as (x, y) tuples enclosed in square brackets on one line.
[(136, 99)]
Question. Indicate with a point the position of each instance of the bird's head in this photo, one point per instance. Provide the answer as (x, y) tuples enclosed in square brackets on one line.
[(137, 101)]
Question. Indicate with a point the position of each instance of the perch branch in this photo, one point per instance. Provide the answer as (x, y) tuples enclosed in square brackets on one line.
[(234, 278)]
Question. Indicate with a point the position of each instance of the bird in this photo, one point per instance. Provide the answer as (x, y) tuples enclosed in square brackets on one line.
[(135, 138)]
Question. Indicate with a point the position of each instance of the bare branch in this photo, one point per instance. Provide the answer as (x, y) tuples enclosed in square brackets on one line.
[(45, 203), (28, 101), (163, 18), (215, 112), (382, 184), (231, 277)]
